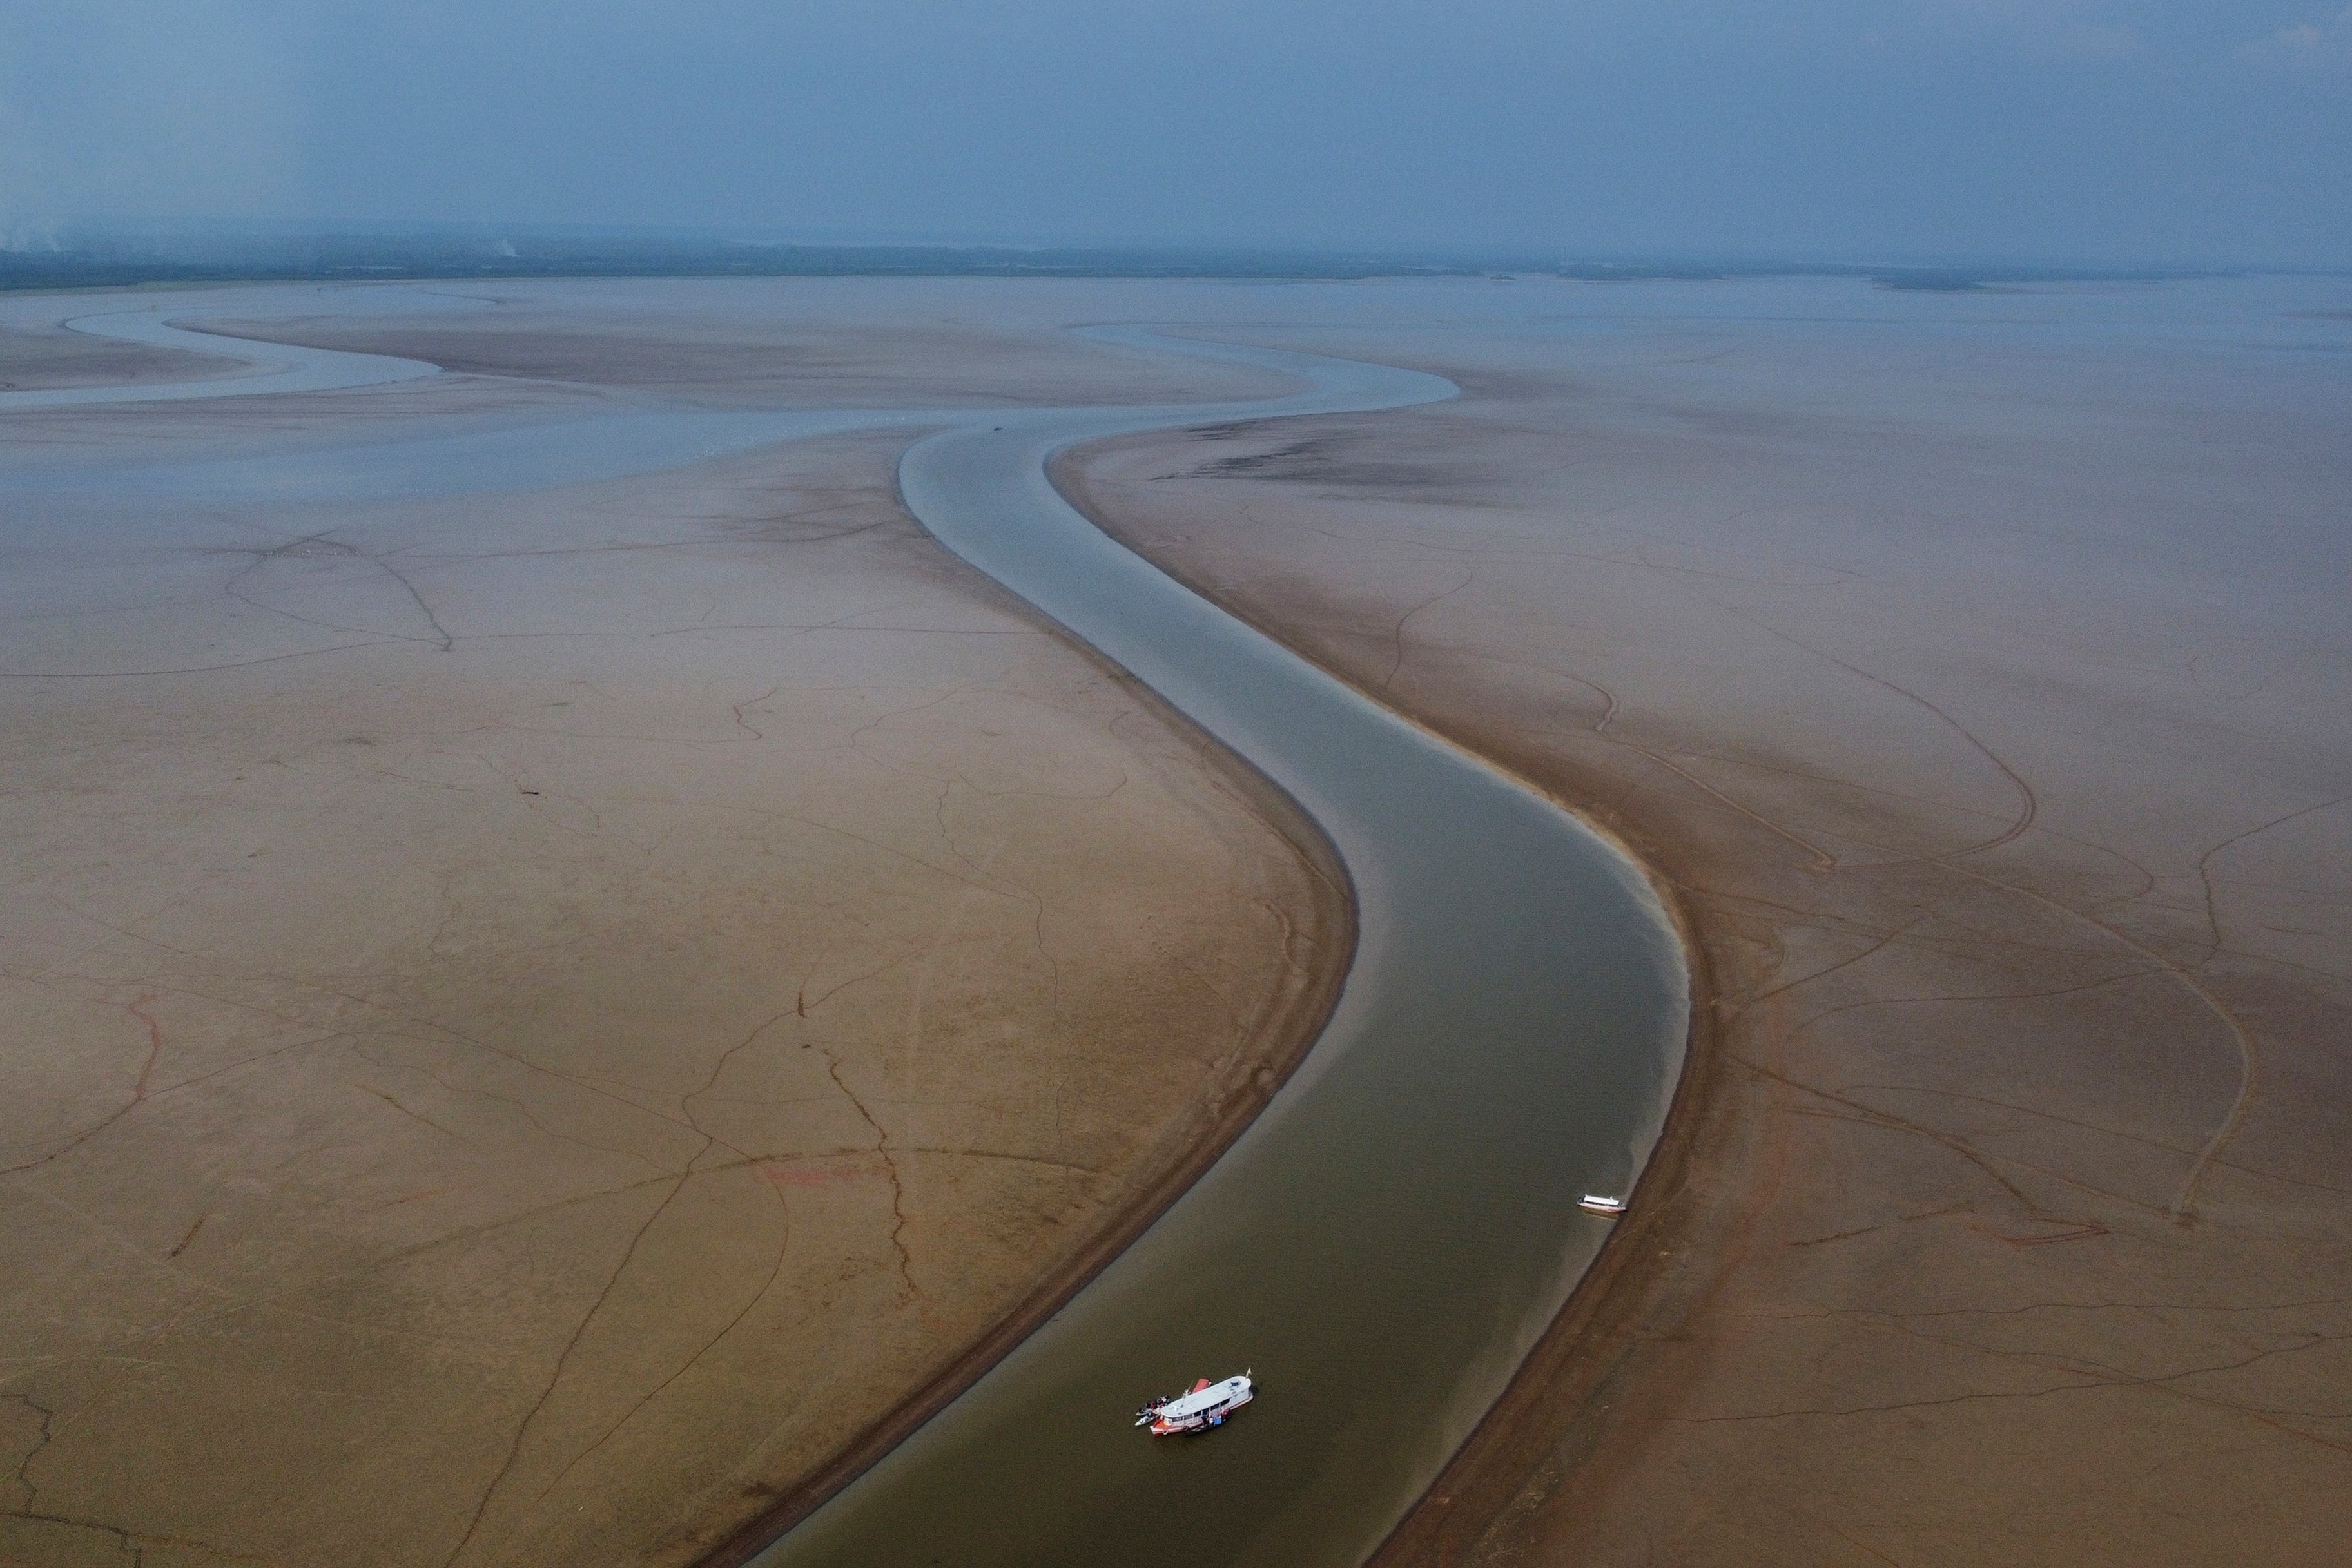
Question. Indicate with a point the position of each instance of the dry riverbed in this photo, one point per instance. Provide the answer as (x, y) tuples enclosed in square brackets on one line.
[(562, 1008), (534, 1019), (1976, 670)]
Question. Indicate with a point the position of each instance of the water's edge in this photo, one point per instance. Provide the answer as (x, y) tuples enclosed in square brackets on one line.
[(263, 368), (1398, 1228), (1518, 987)]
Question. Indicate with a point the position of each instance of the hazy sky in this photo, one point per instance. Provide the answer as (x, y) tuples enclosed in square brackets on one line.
[(2172, 130)]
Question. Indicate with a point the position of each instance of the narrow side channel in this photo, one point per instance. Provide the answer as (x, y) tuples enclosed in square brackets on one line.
[(266, 367), (1391, 1236)]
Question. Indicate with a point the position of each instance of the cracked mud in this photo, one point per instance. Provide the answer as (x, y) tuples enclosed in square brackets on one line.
[(534, 1019), (1978, 677)]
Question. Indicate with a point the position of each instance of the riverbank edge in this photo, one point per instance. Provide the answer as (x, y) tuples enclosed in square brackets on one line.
[(1595, 1372), (1280, 1041), (1284, 1042), (1572, 1387)]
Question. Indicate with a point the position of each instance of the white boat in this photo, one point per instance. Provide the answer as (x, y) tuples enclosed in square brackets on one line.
[(1205, 1405), (1600, 1203)]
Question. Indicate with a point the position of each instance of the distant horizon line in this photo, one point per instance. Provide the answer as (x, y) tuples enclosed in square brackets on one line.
[(240, 245)]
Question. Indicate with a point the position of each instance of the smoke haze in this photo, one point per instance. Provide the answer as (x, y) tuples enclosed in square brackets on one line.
[(2180, 131)]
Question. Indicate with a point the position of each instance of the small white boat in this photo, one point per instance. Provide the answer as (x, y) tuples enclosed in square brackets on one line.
[(1205, 1405), (1598, 1203)]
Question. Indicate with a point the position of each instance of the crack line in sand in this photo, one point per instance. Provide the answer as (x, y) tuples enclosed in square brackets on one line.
[(2184, 1202), (1396, 662), (890, 1168), (2028, 805), (2205, 863), (138, 1090), (562, 1360), (783, 1246)]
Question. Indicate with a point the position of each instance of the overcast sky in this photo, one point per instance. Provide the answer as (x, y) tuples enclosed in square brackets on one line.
[(2185, 131)]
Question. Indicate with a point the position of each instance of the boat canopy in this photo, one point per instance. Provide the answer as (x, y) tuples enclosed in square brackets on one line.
[(1208, 1398)]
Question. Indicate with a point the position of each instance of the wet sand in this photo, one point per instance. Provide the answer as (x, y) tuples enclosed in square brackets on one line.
[(1976, 669), (830, 343), (50, 355), (536, 1020)]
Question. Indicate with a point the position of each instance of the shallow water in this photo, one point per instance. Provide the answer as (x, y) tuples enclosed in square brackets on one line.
[(541, 454), (267, 367)]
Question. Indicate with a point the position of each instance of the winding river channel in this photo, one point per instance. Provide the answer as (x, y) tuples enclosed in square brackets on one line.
[(1387, 1240)]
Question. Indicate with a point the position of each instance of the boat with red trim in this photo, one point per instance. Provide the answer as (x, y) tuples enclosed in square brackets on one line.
[(1206, 1405)]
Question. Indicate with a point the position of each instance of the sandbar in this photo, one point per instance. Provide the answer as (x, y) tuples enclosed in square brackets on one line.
[(539, 1020), (1977, 673)]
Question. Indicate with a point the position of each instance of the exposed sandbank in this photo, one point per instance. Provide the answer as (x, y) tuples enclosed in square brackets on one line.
[(819, 343), (1924, 1295), (53, 355), (564, 1008), (1976, 672)]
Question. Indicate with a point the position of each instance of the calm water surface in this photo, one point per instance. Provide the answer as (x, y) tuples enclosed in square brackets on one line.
[(1389, 1238)]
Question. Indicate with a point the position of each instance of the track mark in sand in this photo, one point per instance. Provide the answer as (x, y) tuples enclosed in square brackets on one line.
[(1871, 951), (1001, 1154), (562, 1361), (137, 1009), (1870, 1115), (2093, 1378), (447, 642), (775, 1270), (2205, 863), (1396, 634), (2029, 804), (192, 669), (983, 873), (2184, 1202), (1836, 1235), (1937, 1000), (1824, 860), (1862, 1546), (802, 1005), (324, 544), (678, 1181), (1868, 1230)]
